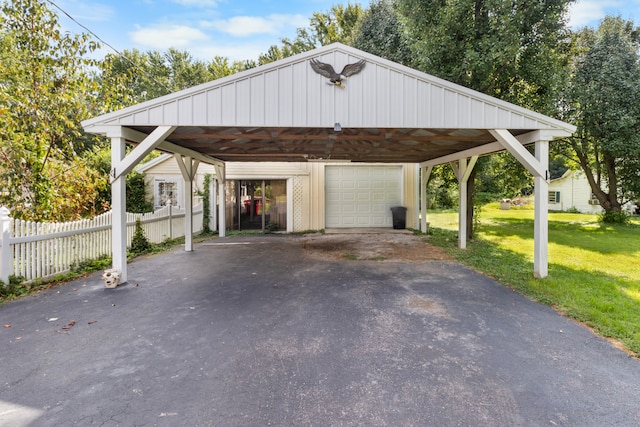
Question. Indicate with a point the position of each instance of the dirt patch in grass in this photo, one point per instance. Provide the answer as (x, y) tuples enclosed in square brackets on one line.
[(372, 247)]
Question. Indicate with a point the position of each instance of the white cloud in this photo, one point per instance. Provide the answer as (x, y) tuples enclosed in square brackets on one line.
[(165, 36), (244, 26), (585, 12), (232, 51), (197, 3), (86, 11)]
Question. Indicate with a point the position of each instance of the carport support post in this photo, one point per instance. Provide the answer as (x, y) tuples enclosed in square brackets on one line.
[(462, 205), (541, 218), (118, 211), (222, 214), (425, 173), (462, 171), (188, 168), (213, 197)]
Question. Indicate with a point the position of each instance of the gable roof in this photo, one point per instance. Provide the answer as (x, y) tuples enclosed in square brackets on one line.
[(387, 112)]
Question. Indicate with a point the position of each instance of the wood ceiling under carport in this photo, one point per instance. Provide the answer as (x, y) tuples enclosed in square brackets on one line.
[(374, 145)]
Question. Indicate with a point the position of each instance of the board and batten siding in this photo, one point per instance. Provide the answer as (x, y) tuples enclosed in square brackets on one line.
[(289, 93)]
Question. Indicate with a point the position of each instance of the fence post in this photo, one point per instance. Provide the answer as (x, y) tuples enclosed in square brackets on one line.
[(170, 221), (6, 255)]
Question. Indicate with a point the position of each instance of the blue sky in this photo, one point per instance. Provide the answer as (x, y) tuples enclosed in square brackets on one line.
[(239, 29)]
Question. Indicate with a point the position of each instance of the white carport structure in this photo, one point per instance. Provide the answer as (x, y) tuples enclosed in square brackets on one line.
[(284, 111)]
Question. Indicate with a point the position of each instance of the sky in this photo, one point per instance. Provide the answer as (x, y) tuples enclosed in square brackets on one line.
[(238, 30)]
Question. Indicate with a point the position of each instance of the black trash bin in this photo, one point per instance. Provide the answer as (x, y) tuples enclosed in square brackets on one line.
[(399, 214)]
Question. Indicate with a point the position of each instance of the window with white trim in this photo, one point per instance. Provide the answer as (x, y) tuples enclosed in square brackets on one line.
[(166, 192)]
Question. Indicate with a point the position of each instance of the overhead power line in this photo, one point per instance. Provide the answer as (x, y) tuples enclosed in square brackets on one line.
[(101, 40)]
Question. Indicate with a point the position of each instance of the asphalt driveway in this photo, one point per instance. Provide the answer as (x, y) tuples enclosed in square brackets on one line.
[(253, 331)]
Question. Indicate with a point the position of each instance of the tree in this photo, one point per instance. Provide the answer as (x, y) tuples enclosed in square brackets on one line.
[(335, 25), (45, 91), (379, 31), (513, 50), (603, 102)]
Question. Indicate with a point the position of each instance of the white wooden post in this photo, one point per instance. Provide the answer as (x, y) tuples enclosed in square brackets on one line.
[(462, 204), (541, 218), (188, 206), (425, 173), (188, 168), (6, 255), (290, 221), (118, 210), (213, 196), (222, 228), (462, 171)]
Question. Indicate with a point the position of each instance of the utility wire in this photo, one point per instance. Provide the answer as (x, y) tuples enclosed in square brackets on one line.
[(121, 55)]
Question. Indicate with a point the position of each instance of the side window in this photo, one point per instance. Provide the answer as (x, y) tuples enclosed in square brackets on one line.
[(166, 193), (554, 197)]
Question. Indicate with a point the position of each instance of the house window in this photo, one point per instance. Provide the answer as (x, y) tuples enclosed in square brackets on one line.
[(594, 200), (166, 193), (554, 197)]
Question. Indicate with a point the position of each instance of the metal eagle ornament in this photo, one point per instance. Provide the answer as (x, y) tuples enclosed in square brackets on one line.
[(326, 70)]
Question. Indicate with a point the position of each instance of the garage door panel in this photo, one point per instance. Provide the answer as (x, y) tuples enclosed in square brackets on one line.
[(361, 196)]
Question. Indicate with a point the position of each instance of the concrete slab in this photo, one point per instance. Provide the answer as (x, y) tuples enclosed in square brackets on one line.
[(250, 330)]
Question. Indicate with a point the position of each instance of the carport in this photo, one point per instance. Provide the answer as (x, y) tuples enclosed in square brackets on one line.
[(285, 111)]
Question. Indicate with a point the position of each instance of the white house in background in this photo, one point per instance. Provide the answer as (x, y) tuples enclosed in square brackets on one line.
[(164, 182), (572, 190)]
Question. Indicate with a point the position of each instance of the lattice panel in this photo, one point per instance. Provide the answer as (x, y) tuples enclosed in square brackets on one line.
[(297, 203)]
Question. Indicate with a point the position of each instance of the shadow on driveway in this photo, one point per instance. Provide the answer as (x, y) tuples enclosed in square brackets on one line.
[(251, 330)]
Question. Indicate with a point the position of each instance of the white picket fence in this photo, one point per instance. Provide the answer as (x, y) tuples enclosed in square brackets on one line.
[(39, 250)]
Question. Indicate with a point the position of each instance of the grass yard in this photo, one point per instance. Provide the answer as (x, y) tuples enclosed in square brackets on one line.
[(594, 269)]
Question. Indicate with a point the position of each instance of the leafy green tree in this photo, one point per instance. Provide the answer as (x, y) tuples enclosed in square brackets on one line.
[(45, 91), (380, 32), (602, 101), (512, 50), (335, 25), (152, 74)]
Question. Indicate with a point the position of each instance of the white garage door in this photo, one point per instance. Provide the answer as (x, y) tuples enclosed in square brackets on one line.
[(361, 196)]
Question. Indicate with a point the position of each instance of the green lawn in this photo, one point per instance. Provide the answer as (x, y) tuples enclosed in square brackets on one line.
[(594, 269)]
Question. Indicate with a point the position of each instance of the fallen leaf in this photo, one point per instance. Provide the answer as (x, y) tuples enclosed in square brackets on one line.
[(70, 325), (7, 325)]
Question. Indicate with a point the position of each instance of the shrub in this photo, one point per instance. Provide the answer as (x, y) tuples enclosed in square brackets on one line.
[(139, 243), (613, 217), (206, 198)]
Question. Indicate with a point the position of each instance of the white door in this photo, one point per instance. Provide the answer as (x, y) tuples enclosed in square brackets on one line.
[(361, 196)]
